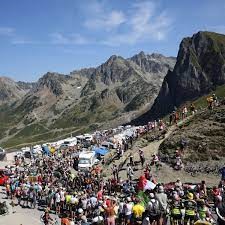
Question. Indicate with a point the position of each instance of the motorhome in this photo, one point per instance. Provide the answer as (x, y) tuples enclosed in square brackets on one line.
[(88, 137), (69, 142), (87, 159), (80, 139)]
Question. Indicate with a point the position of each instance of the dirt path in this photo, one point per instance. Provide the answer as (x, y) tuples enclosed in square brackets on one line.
[(166, 174)]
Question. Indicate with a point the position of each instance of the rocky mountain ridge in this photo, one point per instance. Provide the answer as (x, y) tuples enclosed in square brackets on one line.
[(116, 90), (199, 69), (10, 90)]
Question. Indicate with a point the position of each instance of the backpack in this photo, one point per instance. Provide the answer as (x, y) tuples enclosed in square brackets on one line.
[(154, 210)]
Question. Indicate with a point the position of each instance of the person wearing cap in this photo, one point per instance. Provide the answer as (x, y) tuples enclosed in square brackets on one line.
[(175, 209), (153, 210), (190, 209), (178, 183), (162, 198)]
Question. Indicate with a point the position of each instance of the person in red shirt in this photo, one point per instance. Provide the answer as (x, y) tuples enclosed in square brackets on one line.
[(100, 194), (110, 213)]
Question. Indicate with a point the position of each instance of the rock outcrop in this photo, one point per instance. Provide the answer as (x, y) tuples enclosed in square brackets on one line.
[(199, 69)]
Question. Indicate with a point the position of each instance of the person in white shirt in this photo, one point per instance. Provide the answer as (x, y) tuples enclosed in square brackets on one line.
[(57, 201), (128, 210)]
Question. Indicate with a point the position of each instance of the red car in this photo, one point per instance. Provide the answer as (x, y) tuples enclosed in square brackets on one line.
[(3, 177)]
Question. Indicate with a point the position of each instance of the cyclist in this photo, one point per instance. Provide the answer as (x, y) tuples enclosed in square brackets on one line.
[(203, 210), (190, 209), (175, 209)]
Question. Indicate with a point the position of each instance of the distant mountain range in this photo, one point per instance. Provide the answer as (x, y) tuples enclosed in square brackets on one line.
[(108, 95), (137, 90)]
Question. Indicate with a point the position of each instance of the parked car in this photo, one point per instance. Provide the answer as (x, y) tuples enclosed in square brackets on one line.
[(2, 154)]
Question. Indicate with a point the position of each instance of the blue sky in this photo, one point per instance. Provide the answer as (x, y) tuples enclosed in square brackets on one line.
[(37, 36)]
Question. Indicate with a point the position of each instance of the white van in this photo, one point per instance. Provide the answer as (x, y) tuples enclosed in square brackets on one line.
[(88, 137), (70, 142), (80, 139), (87, 159)]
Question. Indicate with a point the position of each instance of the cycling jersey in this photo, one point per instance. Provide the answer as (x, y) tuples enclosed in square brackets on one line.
[(190, 207), (176, 208), (202, 212)]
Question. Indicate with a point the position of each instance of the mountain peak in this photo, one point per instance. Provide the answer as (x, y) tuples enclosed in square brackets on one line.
[(199, 70), (141, 54), (53, 81), (154, 63), (113, 58)]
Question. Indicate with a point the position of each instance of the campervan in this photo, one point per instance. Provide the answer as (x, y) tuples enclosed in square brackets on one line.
[(88, 137), (80, 139), (37, 150), (69, 142), (87, 159)]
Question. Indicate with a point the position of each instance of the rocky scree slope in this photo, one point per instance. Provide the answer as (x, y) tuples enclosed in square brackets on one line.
[(204, 134)]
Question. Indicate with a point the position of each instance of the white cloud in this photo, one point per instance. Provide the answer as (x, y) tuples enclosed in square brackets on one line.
[(6, 31), (142, 21), (13, 37), (107, 22), (102, 18), (145, 22), (59, 38)]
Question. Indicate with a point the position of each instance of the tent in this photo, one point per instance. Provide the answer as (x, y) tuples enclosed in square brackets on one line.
[(100, 150), (46, 150)]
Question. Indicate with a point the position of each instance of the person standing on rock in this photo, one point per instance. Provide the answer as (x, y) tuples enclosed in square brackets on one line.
[(162, 199), (115, 171), (131, 160), (184, 112), (142, 158), (130, 172), (192, 107)]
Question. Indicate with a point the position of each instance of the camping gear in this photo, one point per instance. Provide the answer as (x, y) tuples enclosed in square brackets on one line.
[(100, 150)]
